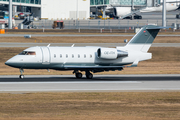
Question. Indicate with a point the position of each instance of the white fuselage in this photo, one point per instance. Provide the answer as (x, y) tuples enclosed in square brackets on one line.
[(59, 57)]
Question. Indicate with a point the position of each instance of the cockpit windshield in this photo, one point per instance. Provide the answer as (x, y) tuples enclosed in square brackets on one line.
[(27, 53)]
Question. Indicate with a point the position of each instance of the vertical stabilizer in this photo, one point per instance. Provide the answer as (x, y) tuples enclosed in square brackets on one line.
[(143, 40)]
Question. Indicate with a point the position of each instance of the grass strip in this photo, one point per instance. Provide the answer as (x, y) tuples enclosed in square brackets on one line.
[(104, 105), (83, 39)]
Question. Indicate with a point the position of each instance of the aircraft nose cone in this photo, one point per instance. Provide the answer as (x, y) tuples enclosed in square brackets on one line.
[(7, 62), (10, 62), (14, 62)]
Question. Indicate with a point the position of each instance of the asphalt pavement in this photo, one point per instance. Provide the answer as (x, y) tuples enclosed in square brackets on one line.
[(100, 83)]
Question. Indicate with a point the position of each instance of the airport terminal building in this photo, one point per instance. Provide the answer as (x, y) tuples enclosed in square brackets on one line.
[(52, 9), (71, 9)]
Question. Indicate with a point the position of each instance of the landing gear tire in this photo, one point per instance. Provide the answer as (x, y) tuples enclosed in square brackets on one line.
[(21, 76), (89, 76), (21, 71), (78, 75)]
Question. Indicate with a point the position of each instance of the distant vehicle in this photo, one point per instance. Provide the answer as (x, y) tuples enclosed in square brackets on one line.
[(178, 16), (28, 19), (93, 16), (111, 15), (59, 24), (21, 15), (4, 18), (135, 17), (16, 16), (4, 15), (88, 59)]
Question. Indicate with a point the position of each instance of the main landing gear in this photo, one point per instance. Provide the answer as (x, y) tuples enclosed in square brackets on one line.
[(21, 76), (79, 75), (89, 75)]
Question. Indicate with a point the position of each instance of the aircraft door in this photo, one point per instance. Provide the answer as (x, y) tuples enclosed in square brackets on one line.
[(45, 55)]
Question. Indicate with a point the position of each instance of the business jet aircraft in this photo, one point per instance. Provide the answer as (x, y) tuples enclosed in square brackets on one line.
[(88, 59)]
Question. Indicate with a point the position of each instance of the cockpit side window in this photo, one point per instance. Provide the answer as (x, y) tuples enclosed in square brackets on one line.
[(27, 53), (31, 53), (23, 53)]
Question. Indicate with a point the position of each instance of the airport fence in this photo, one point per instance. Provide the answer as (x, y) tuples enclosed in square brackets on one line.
[(104, 24)]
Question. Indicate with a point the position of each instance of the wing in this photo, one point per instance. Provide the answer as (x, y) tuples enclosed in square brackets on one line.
[(99, 68), (94, 69)]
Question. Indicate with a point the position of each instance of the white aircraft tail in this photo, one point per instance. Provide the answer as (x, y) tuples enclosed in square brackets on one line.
[(143, 40)]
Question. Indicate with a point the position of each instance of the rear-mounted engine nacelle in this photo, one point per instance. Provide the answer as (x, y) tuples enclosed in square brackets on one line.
[(110, 53)]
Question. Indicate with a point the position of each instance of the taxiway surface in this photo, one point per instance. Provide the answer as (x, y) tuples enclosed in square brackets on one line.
[(100, 83), (72, 35), (83, 44)]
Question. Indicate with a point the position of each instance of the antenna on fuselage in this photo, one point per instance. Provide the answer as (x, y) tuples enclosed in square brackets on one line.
[(48, 45), (73, 45)]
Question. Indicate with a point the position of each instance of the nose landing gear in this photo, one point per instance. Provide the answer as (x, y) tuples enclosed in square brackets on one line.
[(21, 76)]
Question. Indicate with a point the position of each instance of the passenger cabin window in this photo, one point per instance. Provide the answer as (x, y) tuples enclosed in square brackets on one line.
[(90, 56), (78, 56), (60, 55), (66, 55), (84, 56), (72, 55), (27, 53), (54, 55)]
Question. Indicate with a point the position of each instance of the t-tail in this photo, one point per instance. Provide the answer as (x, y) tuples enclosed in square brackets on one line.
[(143, 40)]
